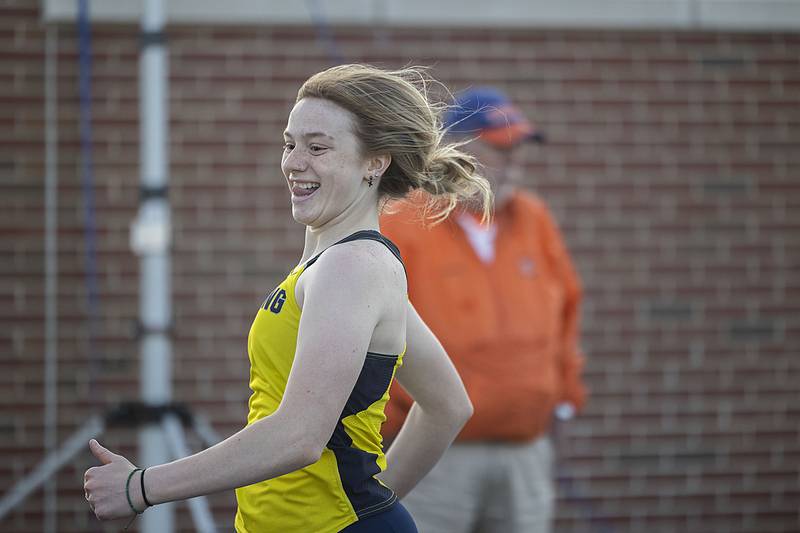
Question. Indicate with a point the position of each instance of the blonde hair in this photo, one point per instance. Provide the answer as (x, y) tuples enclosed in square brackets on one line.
[(394, 115)]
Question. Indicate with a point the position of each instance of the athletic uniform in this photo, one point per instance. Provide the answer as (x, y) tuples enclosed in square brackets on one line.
[(340, 489)]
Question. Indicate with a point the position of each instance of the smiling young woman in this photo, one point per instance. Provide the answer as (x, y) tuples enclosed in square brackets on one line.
[(326, 343)]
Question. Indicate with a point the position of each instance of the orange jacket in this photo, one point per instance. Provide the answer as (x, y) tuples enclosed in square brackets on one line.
[(510, 326)]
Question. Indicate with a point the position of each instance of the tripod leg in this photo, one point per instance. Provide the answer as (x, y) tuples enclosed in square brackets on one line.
[(201, 514), (204, 430), (73, 445)]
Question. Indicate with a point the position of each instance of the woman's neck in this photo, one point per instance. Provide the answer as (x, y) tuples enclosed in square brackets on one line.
[(351, 220)]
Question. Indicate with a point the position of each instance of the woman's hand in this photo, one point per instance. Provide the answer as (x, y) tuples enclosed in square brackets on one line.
[(104, 485)]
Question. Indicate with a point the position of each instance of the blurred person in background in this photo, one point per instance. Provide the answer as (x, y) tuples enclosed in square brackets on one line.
[(327, 342), (503, 298)]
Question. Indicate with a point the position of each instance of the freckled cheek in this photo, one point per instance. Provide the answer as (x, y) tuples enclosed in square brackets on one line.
[(341, 174)]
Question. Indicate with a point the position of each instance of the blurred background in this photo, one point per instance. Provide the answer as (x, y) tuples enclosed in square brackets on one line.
[(672, 166)]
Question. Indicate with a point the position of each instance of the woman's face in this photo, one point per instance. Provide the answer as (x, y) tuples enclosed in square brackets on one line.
[(322, 161)]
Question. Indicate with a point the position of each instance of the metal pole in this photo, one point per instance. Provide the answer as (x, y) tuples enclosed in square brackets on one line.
[(51, 268), (150, 239)]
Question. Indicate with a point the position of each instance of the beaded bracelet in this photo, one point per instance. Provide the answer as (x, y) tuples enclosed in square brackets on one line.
[(128, 491)]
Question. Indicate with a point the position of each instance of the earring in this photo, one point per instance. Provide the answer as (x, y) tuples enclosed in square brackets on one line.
[(369, 181)]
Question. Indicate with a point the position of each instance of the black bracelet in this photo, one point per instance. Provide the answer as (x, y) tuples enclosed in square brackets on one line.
[(128, 492), (144, 496)]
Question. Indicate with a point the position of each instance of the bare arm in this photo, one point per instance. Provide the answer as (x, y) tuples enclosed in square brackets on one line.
[(441, 408), (333, 339)]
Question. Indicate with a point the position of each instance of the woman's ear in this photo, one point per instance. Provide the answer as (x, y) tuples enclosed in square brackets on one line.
[(378, 164)]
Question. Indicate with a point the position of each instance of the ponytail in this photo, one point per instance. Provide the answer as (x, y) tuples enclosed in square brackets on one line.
[(395, 116)]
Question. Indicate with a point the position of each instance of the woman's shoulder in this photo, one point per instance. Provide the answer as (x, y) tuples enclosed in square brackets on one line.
[(362, 261)]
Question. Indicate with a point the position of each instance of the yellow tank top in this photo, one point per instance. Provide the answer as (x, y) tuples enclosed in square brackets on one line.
[(341, 487)]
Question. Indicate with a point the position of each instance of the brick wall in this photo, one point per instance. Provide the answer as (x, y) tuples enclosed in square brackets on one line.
[(672, 168)]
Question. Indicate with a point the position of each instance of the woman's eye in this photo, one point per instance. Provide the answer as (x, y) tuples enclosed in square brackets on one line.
[(315, 148), (288, 147)]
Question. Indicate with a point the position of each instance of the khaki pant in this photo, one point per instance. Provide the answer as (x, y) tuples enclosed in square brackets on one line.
[(487, 488)]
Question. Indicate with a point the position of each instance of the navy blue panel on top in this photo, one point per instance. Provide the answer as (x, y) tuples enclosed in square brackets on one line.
[(357, 467)]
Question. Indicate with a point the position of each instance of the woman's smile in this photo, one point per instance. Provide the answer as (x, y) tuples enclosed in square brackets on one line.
[(302, 190)]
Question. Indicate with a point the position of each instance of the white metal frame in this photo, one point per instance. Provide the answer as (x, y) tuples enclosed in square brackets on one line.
[(746, 15)]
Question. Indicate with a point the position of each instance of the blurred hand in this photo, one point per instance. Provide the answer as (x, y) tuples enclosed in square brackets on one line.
[(104, 485), (565, 411)]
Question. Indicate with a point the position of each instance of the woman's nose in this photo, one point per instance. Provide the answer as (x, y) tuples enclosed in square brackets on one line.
[(293, 161)]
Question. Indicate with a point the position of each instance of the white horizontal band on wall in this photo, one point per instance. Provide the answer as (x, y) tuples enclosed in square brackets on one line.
[(770, 15)]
